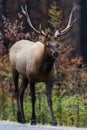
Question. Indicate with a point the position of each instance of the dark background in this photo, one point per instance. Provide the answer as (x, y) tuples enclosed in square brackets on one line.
[(38, 10)]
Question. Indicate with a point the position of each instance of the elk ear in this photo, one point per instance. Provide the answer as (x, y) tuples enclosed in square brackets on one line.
[(48, 37)]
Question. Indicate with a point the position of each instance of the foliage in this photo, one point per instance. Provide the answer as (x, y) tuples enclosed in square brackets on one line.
[(55, 17), (70, 71), (13, 32)]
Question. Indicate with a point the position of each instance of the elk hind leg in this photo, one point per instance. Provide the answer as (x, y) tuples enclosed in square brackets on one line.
[(15, 79), (20, 113)]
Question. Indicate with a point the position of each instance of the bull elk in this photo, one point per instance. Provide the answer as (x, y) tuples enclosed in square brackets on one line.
[(34, 61)]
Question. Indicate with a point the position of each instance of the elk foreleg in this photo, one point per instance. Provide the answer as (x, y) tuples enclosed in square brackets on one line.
[(33, 99), (49, 94)]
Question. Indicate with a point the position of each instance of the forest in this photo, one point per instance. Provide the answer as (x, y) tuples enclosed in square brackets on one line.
[(69, 93)]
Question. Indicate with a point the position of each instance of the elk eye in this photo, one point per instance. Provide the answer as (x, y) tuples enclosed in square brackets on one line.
[(48, 45)]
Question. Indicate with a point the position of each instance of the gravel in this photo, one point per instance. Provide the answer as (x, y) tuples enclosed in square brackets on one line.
[(17, 126)]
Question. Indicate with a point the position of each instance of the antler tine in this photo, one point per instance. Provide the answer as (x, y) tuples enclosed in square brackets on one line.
[(68, 27), (69, 23), (70, 18), (40, 28), (25, 12)]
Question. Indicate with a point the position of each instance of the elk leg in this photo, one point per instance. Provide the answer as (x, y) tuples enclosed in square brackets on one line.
[(49, 94), (33, 99), (15, 79), (20, 113)]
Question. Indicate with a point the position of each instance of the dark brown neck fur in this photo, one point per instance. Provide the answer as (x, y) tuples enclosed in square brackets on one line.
[(47, 63)]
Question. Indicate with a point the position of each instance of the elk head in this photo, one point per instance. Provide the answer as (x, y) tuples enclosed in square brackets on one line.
[(51, 46)]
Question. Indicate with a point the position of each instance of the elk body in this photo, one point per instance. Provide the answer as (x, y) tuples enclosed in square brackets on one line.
[(34, 61)]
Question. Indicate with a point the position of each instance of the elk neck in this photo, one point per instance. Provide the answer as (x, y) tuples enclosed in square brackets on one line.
[(47, 62)]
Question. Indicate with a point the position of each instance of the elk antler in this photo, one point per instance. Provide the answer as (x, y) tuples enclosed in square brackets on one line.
[(25, 12), (68, 27)]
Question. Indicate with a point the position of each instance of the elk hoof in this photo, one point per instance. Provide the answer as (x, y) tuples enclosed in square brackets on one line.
[(20, 119), (33, 122), (54, 123)]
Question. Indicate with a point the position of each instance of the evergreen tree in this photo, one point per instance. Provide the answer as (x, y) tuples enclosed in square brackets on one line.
[(55, 17)]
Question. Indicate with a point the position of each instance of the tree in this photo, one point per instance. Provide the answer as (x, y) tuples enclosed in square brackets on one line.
[(55, 16)]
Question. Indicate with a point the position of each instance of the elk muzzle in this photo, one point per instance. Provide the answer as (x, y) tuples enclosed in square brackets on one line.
[(55, 54)]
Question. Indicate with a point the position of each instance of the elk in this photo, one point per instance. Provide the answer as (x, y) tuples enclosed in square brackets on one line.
[(34, 61)]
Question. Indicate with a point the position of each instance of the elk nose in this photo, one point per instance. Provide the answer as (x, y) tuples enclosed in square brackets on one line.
[(55, 54)]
